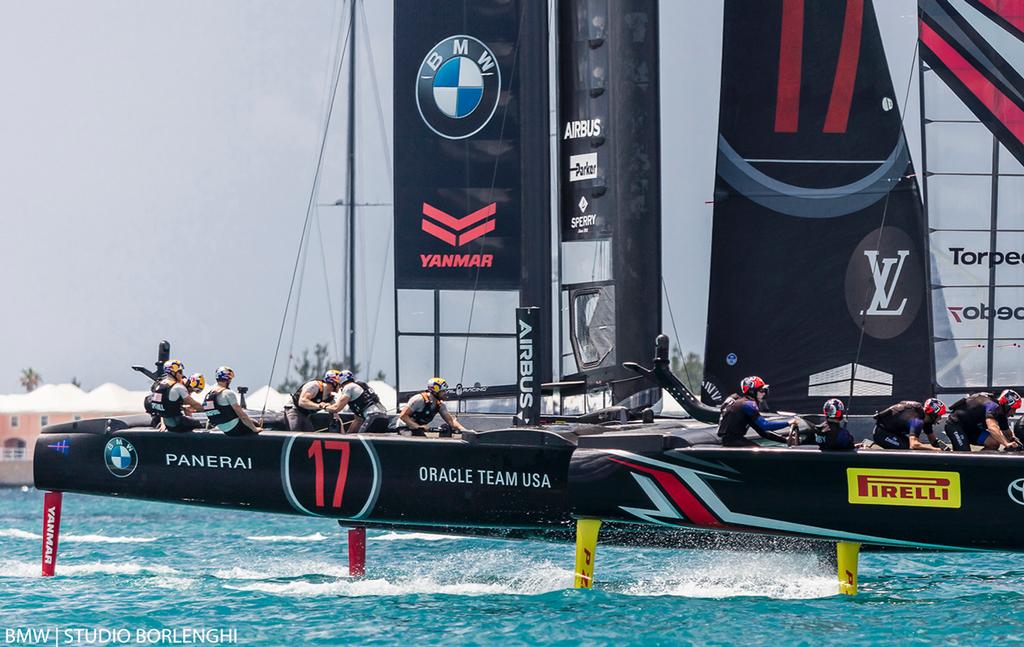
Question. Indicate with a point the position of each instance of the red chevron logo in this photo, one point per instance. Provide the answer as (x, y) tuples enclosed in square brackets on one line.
[(458, 231)]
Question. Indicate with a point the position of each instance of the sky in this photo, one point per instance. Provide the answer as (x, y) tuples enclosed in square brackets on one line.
[(157, 159)]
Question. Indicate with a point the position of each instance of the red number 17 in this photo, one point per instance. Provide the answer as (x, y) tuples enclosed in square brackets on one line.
[(316, 452)]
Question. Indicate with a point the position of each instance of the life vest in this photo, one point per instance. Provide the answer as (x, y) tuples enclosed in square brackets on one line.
[(897, 418), (971, 411), (318, 398), (218, 414), (430, 409), (359, 405), (734, 422), (161, 402)]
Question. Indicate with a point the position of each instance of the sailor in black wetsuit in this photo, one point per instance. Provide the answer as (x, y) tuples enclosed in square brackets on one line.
[(222, 408), (170, 397), (832, 435), (420, 410), (311, 397), (744, 412), (983, 419), (361, 401), (902, 425)]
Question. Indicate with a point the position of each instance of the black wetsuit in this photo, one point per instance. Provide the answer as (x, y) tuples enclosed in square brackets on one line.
[(740, 414), (831, 436), (894, 426), (967, 423)]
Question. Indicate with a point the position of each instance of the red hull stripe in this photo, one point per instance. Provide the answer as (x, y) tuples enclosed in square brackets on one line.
[(1005, 110), (688, 504), (791, 48), (846, 69), (458, 224)]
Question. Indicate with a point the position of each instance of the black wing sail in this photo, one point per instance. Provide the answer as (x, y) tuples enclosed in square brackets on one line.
[(472, 187), (818, 250)]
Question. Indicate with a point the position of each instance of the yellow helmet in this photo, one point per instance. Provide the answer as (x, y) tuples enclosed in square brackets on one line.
[(333, 377), (196, 382), (437, 386), (174, 367)]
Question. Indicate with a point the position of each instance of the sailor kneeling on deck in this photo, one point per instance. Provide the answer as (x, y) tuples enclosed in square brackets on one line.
[(170, 399), (983, 419), (311, 397), (743, 412), (222, 408), (832, 435), (362, 402), (421, 409), (902, 425)]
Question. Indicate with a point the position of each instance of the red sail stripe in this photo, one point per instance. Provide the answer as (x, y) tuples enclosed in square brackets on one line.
[(1004, 109), (476, 232), (1012, 11), (791, 48), (838, 115), (458, 224), (437, 232), (689, 505)]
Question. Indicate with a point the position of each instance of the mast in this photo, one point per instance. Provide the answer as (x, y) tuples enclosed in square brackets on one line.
[(350, 356)]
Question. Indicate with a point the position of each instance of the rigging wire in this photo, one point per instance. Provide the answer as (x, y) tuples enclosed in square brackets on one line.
[(386, 147), (672, 317), (310, 206), (327, 284), (490, 194), (881, 228)]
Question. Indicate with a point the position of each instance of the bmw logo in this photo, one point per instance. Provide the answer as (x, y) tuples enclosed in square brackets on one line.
[(457, 87), (120, 457)]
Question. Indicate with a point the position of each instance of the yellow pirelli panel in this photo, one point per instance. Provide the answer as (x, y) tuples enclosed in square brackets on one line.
[(914, 488)]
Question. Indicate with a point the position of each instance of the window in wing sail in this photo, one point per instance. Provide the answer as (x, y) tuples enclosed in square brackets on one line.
[(593, 325)]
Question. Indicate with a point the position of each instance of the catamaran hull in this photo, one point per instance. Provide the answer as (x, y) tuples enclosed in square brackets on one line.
[(540, 483)]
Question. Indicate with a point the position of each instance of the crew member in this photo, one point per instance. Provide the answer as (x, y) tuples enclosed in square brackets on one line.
[(222, 408), (311, 397), (902, 425), (195, 385), (744, 412), (832, 435), (361, 401), (421, 408), (170, 397), (983, 419)]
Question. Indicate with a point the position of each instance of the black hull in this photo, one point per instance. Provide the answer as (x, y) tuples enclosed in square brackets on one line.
[(654, 488)]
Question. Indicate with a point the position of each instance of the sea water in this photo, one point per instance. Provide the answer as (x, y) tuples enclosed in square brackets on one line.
[(133, 571)]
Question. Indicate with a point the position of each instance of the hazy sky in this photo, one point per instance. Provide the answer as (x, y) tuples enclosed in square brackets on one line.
[(156, 160)]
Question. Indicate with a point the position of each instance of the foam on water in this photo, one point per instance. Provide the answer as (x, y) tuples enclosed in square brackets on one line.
[(316, 536), (16, 569), (274, 569), (16, 533)]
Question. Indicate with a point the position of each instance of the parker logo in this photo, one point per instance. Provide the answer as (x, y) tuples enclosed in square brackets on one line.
[(961, 314), (582, 167), (912, 488)]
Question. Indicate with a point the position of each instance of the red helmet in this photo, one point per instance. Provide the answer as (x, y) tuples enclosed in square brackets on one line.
[(834, 409), (752, 384), (1010, 399), (936, 407)]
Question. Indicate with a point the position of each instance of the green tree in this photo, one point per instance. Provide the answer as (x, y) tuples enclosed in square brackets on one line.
[(76, 382), (30, 379), (688, 368)]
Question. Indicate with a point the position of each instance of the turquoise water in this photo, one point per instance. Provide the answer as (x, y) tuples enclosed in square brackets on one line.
[(129, 565)]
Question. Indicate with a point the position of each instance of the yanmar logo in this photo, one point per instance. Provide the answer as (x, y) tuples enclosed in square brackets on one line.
[(913, 488), (457, 232)]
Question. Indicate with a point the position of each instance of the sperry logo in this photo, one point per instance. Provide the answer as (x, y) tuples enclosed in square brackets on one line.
[(458, 231), (886, 275), (914, 488)]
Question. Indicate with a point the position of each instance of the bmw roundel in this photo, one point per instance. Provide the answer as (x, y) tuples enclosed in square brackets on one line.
[(458, 86), (120, 457)]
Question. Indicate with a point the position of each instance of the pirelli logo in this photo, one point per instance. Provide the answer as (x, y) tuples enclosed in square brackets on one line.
[(915, 488)]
